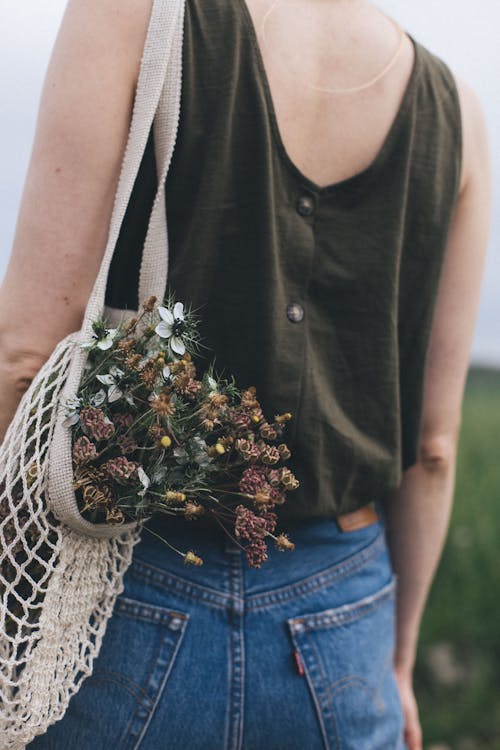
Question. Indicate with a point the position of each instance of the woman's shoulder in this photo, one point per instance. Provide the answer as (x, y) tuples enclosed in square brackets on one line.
[(437, 78), (475, 144), (449, 96), (464, 104), (113, 29)]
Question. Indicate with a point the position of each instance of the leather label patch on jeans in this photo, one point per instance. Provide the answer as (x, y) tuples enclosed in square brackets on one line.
[(358, 519)]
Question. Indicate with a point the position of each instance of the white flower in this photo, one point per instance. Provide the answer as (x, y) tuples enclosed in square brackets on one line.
[(199, 449), (181, 454), (98, 398), (104, 343), (212, 385), (72, 407), (160, 474), (112, 380), (169, 324), (107, 341), (128, 398), (144, 480)]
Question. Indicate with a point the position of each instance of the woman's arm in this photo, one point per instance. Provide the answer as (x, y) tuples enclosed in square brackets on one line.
[(62, 226), (418, 513)]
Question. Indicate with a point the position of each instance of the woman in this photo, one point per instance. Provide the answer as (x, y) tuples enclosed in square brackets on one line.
[(328, 205)]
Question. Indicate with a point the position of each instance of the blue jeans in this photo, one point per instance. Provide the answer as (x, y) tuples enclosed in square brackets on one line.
[(296, 655)]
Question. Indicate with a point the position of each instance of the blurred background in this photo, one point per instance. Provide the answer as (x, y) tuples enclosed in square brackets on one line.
[(457, 675)]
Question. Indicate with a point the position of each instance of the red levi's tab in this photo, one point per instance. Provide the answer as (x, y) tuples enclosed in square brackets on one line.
[(298, 662)]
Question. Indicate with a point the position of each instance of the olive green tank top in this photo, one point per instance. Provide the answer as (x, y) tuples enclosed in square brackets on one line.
[(321, 297)]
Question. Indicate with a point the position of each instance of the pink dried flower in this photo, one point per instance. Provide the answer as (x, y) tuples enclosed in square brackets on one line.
[(239, 420), (123, 421), (256, 553), (270, 455), (284, 451), (84, 450), (267, 432), (248, 525), (248, 450), (121, 468), (103, 431), (278, 495), (271, 519), (252, 479), (127, 444), (253, 528), (96, 424), (273, 477), (288, 479)]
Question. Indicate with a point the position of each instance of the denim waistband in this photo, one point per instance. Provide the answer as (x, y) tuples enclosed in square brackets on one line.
[(323, 553)]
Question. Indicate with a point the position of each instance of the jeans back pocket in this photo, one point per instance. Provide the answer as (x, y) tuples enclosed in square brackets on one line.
[(115, 704), (347, 656)]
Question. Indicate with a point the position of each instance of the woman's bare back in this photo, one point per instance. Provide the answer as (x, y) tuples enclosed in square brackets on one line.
[(339, 44)]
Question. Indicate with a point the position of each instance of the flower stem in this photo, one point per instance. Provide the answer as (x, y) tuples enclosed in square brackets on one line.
[(158, 536), (214, 514)]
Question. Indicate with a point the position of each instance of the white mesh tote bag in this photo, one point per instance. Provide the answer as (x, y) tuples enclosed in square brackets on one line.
[(59, 574)]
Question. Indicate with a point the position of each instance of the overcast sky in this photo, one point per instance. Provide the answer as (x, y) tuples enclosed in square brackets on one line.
[(464, 34)]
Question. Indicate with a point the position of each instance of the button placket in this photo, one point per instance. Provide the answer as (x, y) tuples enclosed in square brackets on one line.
[(305, 206)]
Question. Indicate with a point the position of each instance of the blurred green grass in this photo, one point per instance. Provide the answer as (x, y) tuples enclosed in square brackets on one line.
[(457, 674)]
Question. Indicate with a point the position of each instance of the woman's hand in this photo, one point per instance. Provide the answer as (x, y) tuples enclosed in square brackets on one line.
[(412, 730)]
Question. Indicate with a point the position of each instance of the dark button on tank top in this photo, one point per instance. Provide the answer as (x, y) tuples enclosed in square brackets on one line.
[(321, 297)]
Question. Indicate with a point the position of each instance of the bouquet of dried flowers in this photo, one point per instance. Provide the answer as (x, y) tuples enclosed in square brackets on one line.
[(149, 437)]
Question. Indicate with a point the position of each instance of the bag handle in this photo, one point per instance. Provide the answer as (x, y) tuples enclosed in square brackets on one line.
[(154, 265), (157, 93)]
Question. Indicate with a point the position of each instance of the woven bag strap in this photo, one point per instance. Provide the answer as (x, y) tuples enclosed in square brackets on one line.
[(154, 266), (157, 92)]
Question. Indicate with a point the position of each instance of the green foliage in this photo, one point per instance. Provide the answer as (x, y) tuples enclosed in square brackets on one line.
[(457, 675)]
